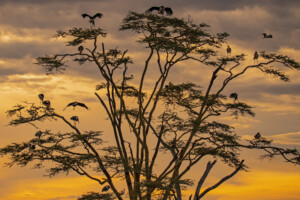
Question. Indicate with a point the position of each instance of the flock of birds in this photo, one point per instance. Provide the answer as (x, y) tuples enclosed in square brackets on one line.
[(161, 10), (74, 104), (234, 96), (255, 57)]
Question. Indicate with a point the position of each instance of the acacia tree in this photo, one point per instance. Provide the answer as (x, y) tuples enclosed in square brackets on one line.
[(180, 122)]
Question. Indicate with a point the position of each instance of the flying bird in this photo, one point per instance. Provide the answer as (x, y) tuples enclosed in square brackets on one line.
[(80, 49), (92, 18), (161, 10), (234, 96), (76, 103), (228, 50), (255, 57), (266, 36), (105, 188), (257, 136), (46, 103)]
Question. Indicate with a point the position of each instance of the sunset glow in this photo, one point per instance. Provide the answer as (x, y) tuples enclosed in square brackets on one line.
[(26, 32)]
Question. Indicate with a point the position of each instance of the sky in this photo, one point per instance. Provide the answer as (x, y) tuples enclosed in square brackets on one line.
[(26, 32)]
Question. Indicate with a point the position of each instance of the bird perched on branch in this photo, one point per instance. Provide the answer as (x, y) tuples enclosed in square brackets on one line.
[(76, 103), (38, 134), (41, 97), (46, 103), (80, 49), (228, 50), (75, 119), (255, 57), (114, 53), (105, 188), (257, 136), (266, 36), (161, 10), (31, 146), (234, 96), (92, 18)]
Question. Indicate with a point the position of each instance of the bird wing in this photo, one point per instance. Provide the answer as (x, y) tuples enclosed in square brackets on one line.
[(70, 104), (152, 8), (97, 15), (82, 105), (85, 15), (169, 11)]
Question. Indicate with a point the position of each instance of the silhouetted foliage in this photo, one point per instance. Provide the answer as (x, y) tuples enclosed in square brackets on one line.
[(178, 122)]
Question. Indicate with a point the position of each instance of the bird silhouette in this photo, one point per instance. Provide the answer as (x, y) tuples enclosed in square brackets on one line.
[(265, 36), (257, 136), (255, 57), (167, 86), (161, 10), (75, 119), (114, 53), (105, 188), (234, 96), (41, 97), (46, 103), (80, 49), (38, 134), (228, 50), (167, 34), (31, 146), (76, 103), (92, 18)]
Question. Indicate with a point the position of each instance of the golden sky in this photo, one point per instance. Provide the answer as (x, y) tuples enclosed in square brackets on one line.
[(26, 30)]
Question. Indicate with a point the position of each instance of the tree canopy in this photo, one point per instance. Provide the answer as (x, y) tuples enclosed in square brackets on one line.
[(179, 122)]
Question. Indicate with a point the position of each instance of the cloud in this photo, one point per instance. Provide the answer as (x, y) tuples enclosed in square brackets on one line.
[(287, 138)]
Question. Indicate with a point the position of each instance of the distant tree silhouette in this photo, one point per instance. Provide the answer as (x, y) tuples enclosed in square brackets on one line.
[(176, 122)]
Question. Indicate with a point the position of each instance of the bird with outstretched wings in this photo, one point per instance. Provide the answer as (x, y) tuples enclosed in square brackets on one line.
[(76, 103), (160, 10), (92, 18)]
